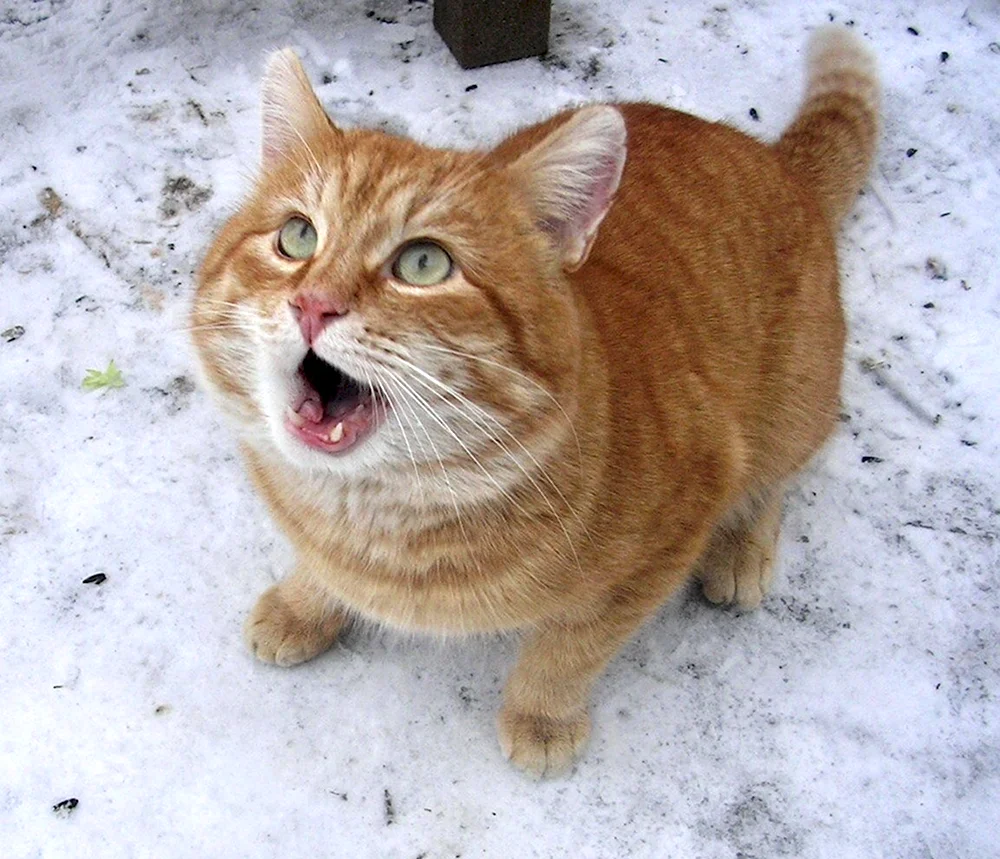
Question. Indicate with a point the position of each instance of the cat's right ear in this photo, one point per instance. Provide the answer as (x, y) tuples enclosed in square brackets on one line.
[(291, 114)]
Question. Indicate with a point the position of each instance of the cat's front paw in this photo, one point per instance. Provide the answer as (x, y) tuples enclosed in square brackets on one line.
[(276, 632), (542, 746), (742, 579)]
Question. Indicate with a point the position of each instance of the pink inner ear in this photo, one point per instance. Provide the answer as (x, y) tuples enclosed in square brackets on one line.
[(604, 183), (270, 152), (579, 230), (591, 209), (573, 175)]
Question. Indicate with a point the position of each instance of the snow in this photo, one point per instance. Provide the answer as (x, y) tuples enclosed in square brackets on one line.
[(853, 715)]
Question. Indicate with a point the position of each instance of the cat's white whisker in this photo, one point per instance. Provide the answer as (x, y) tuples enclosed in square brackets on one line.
[(524, 377), (499, 424), (464, 408), (444, 472), (426, 407), (507, 451), (212, 326), (398, 403)]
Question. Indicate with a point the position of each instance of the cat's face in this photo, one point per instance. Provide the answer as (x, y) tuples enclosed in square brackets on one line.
[(381, 308)]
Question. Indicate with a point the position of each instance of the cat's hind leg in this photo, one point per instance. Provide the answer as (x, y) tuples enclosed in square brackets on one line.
[(293, 621), (737, 566)]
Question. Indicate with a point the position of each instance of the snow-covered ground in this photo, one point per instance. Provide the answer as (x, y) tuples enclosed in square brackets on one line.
[(854, 715)]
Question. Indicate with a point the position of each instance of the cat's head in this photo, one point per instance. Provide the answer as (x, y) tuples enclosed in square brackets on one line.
[(379, 307)]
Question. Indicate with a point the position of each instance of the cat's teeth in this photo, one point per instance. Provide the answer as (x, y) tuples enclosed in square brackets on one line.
[(337, 433), (294, 416)]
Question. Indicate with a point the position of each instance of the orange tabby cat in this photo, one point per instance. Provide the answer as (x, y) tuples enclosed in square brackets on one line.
[(539, 387)]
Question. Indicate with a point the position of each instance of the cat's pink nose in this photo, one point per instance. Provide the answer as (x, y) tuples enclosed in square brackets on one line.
[(315, 312)]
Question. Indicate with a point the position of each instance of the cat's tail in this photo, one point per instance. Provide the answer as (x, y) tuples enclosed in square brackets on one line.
[(831, 142)]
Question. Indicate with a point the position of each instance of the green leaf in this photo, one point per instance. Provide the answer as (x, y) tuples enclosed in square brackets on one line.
[(97, 380)]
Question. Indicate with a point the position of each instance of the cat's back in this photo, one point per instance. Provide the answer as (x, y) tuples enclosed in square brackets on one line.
[(715, 270), (700, 193)]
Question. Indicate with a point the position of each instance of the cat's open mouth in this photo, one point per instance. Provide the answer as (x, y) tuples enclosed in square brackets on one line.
[(332, 411)]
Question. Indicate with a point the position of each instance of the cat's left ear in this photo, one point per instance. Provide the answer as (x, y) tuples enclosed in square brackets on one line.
[(571, 175), (290, 112)]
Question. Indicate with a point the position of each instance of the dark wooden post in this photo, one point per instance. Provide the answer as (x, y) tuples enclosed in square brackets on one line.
[(483, 32)]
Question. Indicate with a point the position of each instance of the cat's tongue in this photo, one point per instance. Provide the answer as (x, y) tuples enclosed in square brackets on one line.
[(333, 429)]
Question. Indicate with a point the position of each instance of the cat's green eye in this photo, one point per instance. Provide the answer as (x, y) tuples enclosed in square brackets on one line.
[(297, 239), (422, 264)]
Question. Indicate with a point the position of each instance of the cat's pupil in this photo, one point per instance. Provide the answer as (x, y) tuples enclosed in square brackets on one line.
[(423, 262), (303, 230)]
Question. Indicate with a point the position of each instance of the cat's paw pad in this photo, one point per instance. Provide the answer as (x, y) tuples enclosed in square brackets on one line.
[(540, 745), (275, 633)]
